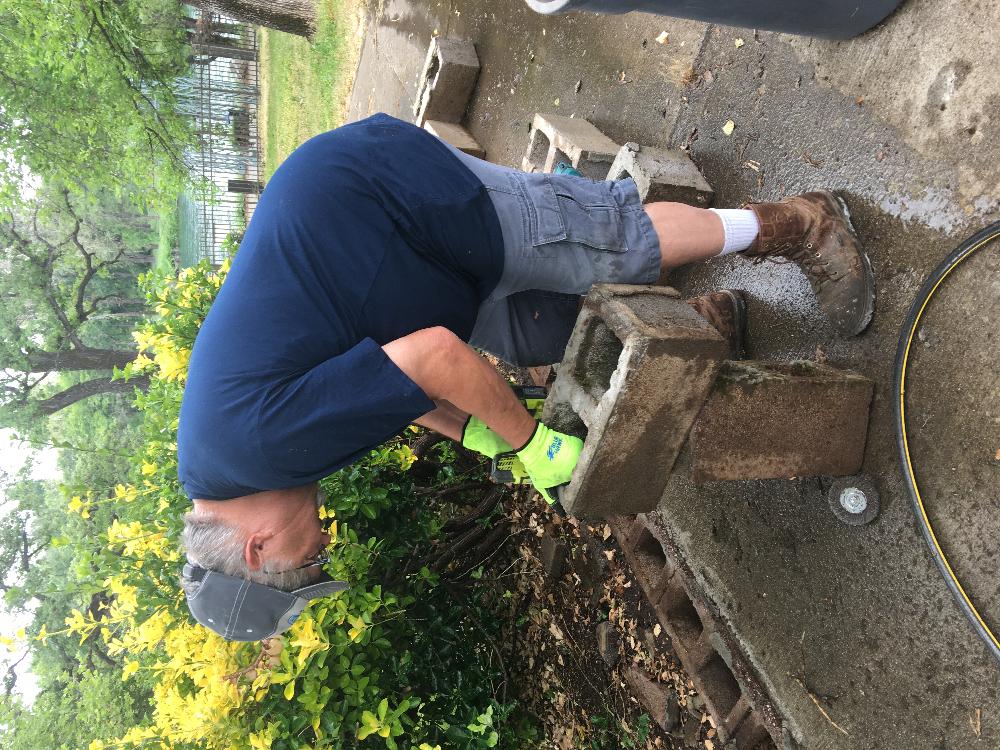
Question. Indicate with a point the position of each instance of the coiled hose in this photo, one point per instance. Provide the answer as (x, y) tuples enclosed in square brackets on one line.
[(908, 331)]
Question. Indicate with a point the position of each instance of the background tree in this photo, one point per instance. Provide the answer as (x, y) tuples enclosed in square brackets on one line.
[(69, 277), (85, 94), (291, 16)]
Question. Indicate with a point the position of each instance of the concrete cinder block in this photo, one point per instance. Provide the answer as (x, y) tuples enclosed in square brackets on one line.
[(781, 420), (662, 175), (554, 138), (720, 670), (637, 368), (446, 81), (455, 135)]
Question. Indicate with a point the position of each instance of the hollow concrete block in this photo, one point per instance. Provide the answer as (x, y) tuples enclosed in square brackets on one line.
[(554, 138), (638, 366), (446, 81), (662, 175), (768, 420), (455, 135)]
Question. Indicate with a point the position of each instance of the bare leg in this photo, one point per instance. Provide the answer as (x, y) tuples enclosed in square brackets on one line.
[(687, 234)]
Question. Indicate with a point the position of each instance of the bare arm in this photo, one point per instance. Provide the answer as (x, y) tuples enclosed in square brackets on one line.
[(448, 369), (447, 419)]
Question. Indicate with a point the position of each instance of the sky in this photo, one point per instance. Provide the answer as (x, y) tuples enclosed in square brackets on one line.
[(13, 455)]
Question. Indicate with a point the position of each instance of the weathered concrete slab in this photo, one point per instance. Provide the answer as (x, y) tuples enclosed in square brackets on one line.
[(554, 138), (457, 136), (771, 420), (662, 175), (637, 369), (447, 80)]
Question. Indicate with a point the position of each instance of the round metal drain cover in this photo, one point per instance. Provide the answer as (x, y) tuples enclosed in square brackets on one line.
[(854, 500)]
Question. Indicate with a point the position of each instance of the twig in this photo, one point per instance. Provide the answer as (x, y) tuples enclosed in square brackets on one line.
[(826, 716)]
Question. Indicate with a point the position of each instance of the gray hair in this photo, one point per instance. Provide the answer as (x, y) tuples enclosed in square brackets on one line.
[(213, 544)]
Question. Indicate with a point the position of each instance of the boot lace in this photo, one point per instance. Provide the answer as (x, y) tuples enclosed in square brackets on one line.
[(815, 266)]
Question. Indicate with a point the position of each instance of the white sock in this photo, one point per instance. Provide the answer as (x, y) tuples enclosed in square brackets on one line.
[(740, 226)]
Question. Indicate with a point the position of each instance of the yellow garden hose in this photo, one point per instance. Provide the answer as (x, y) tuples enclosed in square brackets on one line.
[(909, 329)]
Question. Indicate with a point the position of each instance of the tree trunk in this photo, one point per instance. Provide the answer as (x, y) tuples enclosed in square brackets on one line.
[(292, 16), (87, 389), (78, 359)]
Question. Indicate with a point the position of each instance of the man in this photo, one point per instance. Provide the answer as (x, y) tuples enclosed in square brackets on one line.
[(376, 256)]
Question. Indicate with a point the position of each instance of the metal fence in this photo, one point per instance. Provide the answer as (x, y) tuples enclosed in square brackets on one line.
[(221, 95)]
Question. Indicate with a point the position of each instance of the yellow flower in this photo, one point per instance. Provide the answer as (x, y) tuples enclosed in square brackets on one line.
[(306, 639), (148, 469), (141, 362), (130, 669), (96, 745), (42, 634), (75, 504), (359, 628)]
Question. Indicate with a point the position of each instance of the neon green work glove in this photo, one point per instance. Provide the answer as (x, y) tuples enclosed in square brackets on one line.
[(476, 436), (549, 458)]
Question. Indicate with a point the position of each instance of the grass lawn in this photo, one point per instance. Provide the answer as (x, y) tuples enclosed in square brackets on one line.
[(163, 260), (305, 86)]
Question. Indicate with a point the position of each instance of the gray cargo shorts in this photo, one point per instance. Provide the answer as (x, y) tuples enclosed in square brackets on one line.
[(561, 234)]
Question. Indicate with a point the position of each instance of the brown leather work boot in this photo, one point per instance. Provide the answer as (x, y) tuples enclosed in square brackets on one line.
[(814, 230), (726, 310)]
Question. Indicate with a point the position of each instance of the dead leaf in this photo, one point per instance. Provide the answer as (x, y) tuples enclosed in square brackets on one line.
[(663, 38), (739, 42), (556, 632), (657, 630), (976, 722), (607, 529), (997, 457), (556, 102), (579, 85), (859, 101), (729, 127)]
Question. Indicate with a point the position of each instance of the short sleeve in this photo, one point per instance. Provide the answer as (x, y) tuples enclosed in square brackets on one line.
[(334, 413)]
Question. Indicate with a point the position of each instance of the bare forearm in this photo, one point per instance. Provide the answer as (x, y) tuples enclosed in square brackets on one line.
[(447, 419), (447, 369)]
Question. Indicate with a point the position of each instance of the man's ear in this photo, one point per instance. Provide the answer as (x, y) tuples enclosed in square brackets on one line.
[(253, 549)]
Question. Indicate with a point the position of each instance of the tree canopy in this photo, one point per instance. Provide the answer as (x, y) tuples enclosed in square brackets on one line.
[(85, 94)]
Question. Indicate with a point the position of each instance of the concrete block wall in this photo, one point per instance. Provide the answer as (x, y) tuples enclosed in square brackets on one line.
[(720, 672), (637, 368), (455, 135), (662, 175), (554, 138), (446, 81), (767, 420)]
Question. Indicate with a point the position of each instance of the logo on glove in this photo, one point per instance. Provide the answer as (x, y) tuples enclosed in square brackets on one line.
[(554, 447)]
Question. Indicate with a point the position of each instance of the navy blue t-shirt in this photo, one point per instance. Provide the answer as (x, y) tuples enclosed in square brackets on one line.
[(363, 235)]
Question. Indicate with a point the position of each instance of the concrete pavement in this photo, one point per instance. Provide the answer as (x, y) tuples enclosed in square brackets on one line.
[(903, 121)]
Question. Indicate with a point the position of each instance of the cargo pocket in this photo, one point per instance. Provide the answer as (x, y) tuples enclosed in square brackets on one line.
[(592, 216), (544, 221)]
